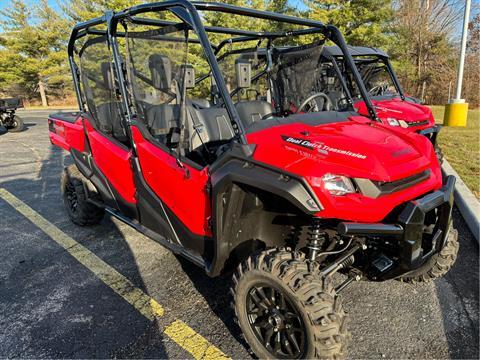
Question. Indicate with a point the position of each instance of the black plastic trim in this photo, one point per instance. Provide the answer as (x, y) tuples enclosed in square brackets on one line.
[(375, 189), (70, 117)]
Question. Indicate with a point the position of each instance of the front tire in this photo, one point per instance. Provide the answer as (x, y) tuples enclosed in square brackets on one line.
[(438, 265), (16, 124), (79, 209), (286, 310)]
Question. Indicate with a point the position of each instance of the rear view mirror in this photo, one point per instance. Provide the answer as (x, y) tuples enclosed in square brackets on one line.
[(243, 70)]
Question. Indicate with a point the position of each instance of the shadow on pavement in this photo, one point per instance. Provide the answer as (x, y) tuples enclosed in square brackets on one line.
[(216, 292), (56, 308)]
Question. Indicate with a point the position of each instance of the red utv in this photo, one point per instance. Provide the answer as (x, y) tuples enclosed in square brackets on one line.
[(188, 135), (394, 107)]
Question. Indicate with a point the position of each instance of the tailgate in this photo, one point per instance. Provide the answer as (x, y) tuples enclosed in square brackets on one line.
[(66, 130)]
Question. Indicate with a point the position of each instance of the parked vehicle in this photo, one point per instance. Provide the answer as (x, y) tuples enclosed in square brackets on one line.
[(9, 121), (394, 107), (244, 164)]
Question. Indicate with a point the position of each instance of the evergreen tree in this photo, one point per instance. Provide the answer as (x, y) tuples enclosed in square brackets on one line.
[(362, 22), (34, 41)]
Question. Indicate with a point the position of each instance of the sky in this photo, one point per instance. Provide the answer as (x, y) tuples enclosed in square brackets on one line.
[(54, 3), (296, 3)]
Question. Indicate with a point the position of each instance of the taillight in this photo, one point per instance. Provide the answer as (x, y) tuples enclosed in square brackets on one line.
[(56, 127), (51, 126)]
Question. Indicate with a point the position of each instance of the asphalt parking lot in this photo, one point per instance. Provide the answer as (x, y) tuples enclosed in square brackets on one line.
[(53, 306)]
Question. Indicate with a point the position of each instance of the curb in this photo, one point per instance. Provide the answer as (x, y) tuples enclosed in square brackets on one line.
[(466, 202)]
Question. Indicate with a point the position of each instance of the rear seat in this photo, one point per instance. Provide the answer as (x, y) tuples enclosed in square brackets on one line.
[(161, 118), (108, 114)]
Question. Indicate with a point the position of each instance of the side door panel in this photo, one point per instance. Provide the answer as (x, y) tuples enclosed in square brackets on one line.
[(183, 190), (113, 160)]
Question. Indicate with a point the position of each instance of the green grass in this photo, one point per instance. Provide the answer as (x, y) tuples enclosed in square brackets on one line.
[(461, 146)]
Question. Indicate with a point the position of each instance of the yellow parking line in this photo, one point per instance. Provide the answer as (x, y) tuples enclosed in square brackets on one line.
[(195, 344), (178, 331)]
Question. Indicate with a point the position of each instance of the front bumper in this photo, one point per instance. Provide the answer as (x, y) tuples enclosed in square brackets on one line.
[(413, 243)]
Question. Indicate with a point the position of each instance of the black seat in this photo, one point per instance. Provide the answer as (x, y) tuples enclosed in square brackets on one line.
[(110, 122), (108, 114), (203, 123), (253, 111), (161, 118), (209, 125)]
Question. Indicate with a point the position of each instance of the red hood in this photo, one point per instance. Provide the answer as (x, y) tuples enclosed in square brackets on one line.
[(398, 109), (351, 148)]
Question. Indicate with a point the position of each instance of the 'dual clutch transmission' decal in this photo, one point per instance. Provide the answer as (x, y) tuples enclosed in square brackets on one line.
[(321, 147)]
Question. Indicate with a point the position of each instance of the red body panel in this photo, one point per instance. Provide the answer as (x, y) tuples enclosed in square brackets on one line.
[(356, 149), (398, 109), (114, 162), (67, 135), (184, 192)]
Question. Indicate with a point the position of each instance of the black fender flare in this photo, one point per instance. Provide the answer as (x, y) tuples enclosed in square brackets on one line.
[(240, 171)]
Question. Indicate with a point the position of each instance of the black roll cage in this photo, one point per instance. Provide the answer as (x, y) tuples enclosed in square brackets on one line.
[(187, 11), (393, 75), (385, 59)]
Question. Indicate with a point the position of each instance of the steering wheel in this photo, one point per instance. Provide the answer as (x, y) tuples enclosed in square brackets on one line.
[(378, 90), (327, 105)]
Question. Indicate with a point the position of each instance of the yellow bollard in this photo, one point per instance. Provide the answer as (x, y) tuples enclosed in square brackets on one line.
[(455, 114)]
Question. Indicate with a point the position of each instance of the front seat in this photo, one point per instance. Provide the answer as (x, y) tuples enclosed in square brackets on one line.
[(253, 111)]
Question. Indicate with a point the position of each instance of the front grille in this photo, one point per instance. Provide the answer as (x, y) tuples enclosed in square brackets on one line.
[(374, 189), (390, 187), (417, 123)]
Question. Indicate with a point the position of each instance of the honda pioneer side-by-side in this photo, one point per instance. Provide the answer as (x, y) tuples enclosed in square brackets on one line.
[(241, 162), (394, 107)]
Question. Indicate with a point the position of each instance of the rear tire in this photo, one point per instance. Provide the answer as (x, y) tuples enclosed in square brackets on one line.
[(438, 265), (17, 125), (79, 209), (300, 317)]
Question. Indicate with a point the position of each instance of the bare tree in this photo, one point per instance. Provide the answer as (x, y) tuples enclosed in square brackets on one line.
[(426, 30)]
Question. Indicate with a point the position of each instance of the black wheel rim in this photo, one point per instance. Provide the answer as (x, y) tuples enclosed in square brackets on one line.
[(71, 197), (276, 322)]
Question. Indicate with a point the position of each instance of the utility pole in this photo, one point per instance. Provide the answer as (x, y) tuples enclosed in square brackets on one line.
[(456, 111), (461, 65)]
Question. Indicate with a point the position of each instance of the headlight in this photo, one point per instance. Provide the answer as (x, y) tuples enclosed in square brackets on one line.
[(393, 122), (337, 185), (396, 122)]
